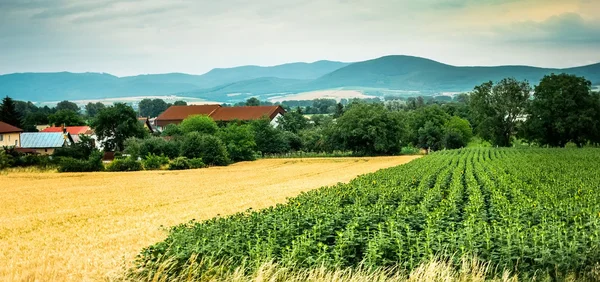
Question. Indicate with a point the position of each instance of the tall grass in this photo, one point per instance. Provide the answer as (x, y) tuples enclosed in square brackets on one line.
[(435, 270)]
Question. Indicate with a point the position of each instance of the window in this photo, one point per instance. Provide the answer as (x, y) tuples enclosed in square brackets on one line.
[(17, 143), (1, 137)]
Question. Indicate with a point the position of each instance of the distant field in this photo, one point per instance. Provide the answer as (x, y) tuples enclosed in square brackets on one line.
[(87, 226), (322, 94)]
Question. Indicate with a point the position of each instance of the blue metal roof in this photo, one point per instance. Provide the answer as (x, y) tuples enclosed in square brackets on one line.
[(42, 140)]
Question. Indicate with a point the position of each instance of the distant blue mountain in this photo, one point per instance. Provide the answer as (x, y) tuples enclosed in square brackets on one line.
[(390, 72), (76, 86)]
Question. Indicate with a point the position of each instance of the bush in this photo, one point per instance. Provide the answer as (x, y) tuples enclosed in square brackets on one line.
[(208, 147), (153, 145), (179, 163), (239, 140), (197, 163), (126, 164), (199, 123), (94, 163), (152, 162), (6, 160)]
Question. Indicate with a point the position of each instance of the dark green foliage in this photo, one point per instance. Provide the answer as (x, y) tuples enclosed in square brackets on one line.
[(563, 110), (457, 133), (153, 162), (498, 108), (5, 160), (152, 107), (180, 103), (94, 163), (293, 141), (92, 109), (208, 147), (239, 140), (115, 124), (519, 210), (293, 121), (153, 145), (369, 129), (269, 140), (430, 136), (8, 112), (81, 150), (172, 130), (253, 102), (66, 118), (199, 123), (67, 106), (180, 163), (197, 163), (125, 164)]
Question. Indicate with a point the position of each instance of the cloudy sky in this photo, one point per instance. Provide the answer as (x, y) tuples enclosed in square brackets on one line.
[(194, 36)]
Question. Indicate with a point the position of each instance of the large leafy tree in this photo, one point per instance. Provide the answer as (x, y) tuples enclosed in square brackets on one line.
[(253, 101), (152, 107), (426, 125), (239, 140), (369, 129), (208, 147), (114, 124), (199, 123), (293, 121), (8, 112), (563, 110), (92, 109), (66, 105), (269, 140), (66, 117), (498, 108)]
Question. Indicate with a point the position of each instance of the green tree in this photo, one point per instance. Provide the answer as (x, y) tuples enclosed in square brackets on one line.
[(92, 109), (8, 112), (430, 136), (369, 129), (563, 110), (208, 147), (66, 105), (293, 121), (497, 109), (199, 123), (239, 140), (339, 110), (180, 103), (115, 124), (66, 117), (152, 107), (458, 133), (269, 140), (418, 119), (172, 130), (253, 102)]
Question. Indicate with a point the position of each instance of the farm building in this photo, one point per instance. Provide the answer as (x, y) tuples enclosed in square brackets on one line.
[(74, 132), (45, 142), (9, 135), (176, 114)]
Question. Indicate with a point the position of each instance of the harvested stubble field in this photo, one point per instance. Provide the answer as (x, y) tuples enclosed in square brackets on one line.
[(89, 226)]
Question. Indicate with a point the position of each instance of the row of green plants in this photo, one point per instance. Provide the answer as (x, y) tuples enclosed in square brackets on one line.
[(534, 212)]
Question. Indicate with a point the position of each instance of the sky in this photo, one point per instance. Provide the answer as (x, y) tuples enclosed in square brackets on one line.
[(193, 36)]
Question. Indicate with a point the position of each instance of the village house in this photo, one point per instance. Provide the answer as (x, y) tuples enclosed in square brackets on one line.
[(176, 114), (44, 143), (74, 132), (147, 123), (9, 135)]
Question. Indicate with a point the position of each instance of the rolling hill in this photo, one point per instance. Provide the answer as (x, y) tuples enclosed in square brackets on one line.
[(76, 86), (390, 73)]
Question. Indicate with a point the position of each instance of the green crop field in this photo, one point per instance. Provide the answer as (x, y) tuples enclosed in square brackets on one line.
[(534, 212)]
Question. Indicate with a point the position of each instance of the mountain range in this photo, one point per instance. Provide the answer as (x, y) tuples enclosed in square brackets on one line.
[(404, 73)]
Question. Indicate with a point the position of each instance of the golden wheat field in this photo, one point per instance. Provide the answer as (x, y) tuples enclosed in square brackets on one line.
[(89, 226)]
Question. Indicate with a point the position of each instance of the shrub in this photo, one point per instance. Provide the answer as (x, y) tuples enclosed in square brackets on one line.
[(153, 145), (153, 161), (239, 141), (94, 163), (208, 147), (6, 160), (126, 164), (179, 163), (197, 163)]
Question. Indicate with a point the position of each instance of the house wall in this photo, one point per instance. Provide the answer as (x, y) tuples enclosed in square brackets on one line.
[(10, 139), (275, 120), (42, 151)]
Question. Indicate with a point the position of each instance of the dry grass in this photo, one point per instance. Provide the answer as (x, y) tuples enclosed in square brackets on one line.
[(86, 226)]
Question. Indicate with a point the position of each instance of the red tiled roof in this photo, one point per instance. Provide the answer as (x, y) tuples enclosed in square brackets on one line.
[(182, 112), (7, 128), (246, 113), (73, 130)]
